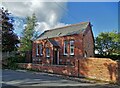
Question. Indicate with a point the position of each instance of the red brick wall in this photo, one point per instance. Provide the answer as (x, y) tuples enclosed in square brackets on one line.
[(118, 79), (78, 48), (43, 59), (88, 42), (84, 42), (59, 69), (96, 68), (62, 58), (99, 68)]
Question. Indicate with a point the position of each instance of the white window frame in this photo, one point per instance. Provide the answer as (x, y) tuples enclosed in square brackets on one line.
[(41, 49), (64, 47), (37, 50), (72, 47), (48, 53)]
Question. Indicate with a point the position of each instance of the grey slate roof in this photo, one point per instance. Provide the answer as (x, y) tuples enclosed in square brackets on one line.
[(64, 31)]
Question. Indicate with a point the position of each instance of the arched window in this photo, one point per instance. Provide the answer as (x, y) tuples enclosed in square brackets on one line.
[(41, 49), (85, 54), (72, 47), (65, 47), (47, 52), (37, 50)]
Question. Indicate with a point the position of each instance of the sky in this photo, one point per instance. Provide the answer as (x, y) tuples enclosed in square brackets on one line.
[(102, 15)]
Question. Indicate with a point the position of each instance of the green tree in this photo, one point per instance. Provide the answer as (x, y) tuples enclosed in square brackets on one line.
[(108, 43), (28, 34), (9, 38)]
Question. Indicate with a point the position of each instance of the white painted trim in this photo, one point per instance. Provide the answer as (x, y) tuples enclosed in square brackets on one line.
[(72, 47), (64, 49)]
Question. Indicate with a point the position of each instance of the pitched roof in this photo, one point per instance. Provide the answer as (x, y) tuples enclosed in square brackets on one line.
[(64, 31), (54, 43)]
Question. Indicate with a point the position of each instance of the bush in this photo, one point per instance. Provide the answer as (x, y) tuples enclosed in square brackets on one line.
[(20, 59), (11, 63)]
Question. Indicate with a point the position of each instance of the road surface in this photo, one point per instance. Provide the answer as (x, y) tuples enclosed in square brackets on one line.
[(29, 79)]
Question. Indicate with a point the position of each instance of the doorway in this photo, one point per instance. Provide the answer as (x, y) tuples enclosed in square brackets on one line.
[(56, 56)]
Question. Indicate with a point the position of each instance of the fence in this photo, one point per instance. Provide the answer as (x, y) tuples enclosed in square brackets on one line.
[(28, 56)]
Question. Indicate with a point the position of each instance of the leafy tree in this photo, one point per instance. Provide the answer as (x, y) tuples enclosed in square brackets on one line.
[(108, 43), (9, 38), (28, 34)]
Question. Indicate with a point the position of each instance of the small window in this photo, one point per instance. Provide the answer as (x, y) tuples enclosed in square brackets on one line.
[(65, 47), (37, 50), (41, 49), (72, 47), (85, 54), (47, 52)]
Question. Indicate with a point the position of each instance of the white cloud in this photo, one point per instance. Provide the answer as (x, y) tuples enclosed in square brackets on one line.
[(42, 26), (41, 9), (60, 25), (48, 13)]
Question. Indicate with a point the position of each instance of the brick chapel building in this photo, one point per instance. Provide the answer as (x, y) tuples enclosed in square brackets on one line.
[(62, 45)]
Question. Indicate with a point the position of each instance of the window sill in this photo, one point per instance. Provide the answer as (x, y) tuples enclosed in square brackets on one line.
[(37, 55), (72, 55), (47, 57), (65, 54)]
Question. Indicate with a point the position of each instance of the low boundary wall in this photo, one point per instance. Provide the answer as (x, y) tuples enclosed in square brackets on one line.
[(63, 70), (103, 69)]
